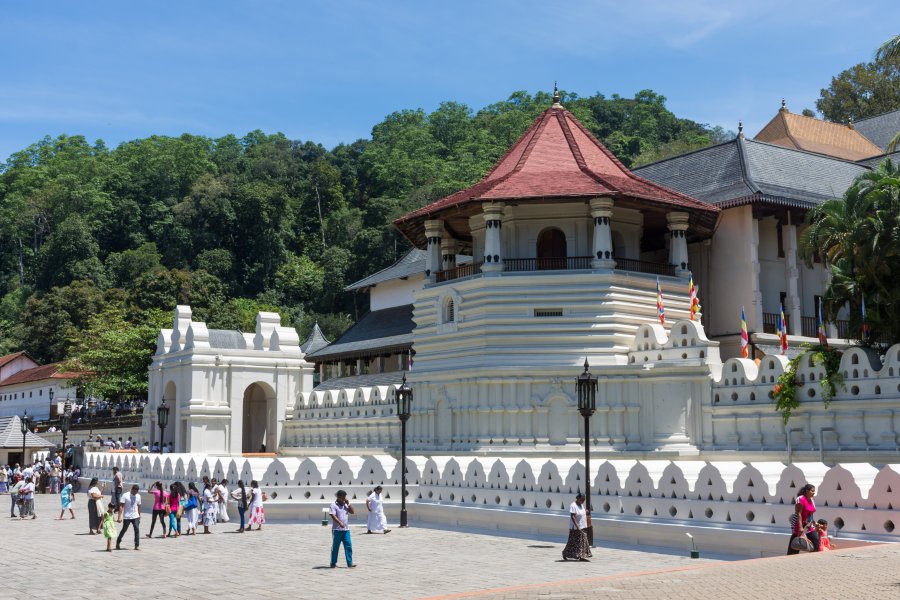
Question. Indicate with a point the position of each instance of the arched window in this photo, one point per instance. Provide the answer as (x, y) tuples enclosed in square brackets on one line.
[(551, 249), (449, 311)]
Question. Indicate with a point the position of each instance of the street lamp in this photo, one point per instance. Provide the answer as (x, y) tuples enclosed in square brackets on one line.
[(404, 401), (162, 416), (64, 421), (25, 423), (586, 388), (91, 413)]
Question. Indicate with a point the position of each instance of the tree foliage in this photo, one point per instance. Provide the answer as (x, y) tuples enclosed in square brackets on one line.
[(859, 238), (863, 90)]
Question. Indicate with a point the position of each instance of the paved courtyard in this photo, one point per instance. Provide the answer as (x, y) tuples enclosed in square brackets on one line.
[(291, 561)]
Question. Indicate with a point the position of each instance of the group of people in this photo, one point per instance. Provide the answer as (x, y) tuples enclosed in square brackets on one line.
[(172, 504), (130, 444), (48, 475), (808, 534), (23, 482)]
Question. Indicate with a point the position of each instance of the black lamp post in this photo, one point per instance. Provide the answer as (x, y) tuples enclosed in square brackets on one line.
[(91, 413), (586, 388), (404, 401), (25, 423), (64, 421), (162, 417)]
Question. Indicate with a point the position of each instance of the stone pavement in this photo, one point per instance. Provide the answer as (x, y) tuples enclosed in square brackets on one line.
[(287, 561), (869, 572), (291, 561)]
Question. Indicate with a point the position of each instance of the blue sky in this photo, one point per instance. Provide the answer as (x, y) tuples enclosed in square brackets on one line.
[(329, 71)]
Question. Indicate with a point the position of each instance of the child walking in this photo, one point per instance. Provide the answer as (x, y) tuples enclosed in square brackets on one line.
[(109, 526), (825, 544)]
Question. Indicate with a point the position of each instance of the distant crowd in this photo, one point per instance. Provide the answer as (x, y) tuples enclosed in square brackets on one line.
[(48, 476)]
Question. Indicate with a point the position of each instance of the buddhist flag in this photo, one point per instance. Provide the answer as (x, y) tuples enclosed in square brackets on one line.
[(695, 302), (659, 304), (865, 326), (823, 337), (745, 338), (782, 330)]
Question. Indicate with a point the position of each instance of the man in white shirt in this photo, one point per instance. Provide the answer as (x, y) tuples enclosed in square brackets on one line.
[(223, 501), (130, 505), (145, 447)]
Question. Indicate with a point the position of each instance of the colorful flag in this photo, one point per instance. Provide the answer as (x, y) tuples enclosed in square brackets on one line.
[(865, 326), (745, 338), (695, 302), (659, 304), (823, 337), (782, 330)]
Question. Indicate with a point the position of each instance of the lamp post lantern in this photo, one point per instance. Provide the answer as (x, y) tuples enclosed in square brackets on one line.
[(25, 423), (162, 417), (404, 401), (586, 389), (64, 422)]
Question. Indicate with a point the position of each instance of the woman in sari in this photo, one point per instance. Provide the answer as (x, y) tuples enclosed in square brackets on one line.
[(577, 548), (95, 496)]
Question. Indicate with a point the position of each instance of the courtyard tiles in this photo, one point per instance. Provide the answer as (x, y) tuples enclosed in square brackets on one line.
[(291, 561)]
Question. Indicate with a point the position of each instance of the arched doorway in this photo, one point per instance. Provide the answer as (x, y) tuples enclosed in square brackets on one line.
[(551, 249), (259, 433), (443, 426), (558, 421)]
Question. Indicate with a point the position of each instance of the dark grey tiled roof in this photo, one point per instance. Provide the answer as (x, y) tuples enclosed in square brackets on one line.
[(880, 129), (226, 339), (11, 435), (385, 330), (358, 381), (315, 341), (412, 263), (744, 170), (877, 160)]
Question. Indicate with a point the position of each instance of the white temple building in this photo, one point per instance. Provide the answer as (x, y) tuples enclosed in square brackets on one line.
[(555, 257)]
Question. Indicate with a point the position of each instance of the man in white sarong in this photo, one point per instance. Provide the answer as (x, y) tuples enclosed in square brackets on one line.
[(377, 521)]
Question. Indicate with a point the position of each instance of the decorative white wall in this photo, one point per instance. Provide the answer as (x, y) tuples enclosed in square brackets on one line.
[(654, 500)]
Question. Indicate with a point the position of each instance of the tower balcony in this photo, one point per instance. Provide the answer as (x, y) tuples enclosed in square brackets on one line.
[(571, 263)]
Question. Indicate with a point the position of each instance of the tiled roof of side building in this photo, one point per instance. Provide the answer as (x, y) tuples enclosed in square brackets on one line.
[(411, 263), (4, 360), (359, 381), (815, 135), (380, 330), (11, 435), (877, 160), (41, 373), (880, 129), (743, 171)]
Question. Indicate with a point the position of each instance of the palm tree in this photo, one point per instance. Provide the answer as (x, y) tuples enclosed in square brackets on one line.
[(858, 238), (889, 50)]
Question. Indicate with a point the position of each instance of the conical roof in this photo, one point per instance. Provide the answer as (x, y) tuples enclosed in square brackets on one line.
[(314, 341), (557, 158)]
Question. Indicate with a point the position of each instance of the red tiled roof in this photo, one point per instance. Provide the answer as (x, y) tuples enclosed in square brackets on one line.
[(50, 371), (4, 360), (557, 157)]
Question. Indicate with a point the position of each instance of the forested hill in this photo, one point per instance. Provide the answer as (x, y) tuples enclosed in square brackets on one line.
[(234, 225)]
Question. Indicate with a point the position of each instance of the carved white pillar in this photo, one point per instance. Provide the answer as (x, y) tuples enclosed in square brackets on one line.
[(678, 253), (602, 256), (493, 238), (756, 289), (433, 230), (448, 253), (792, 276)]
